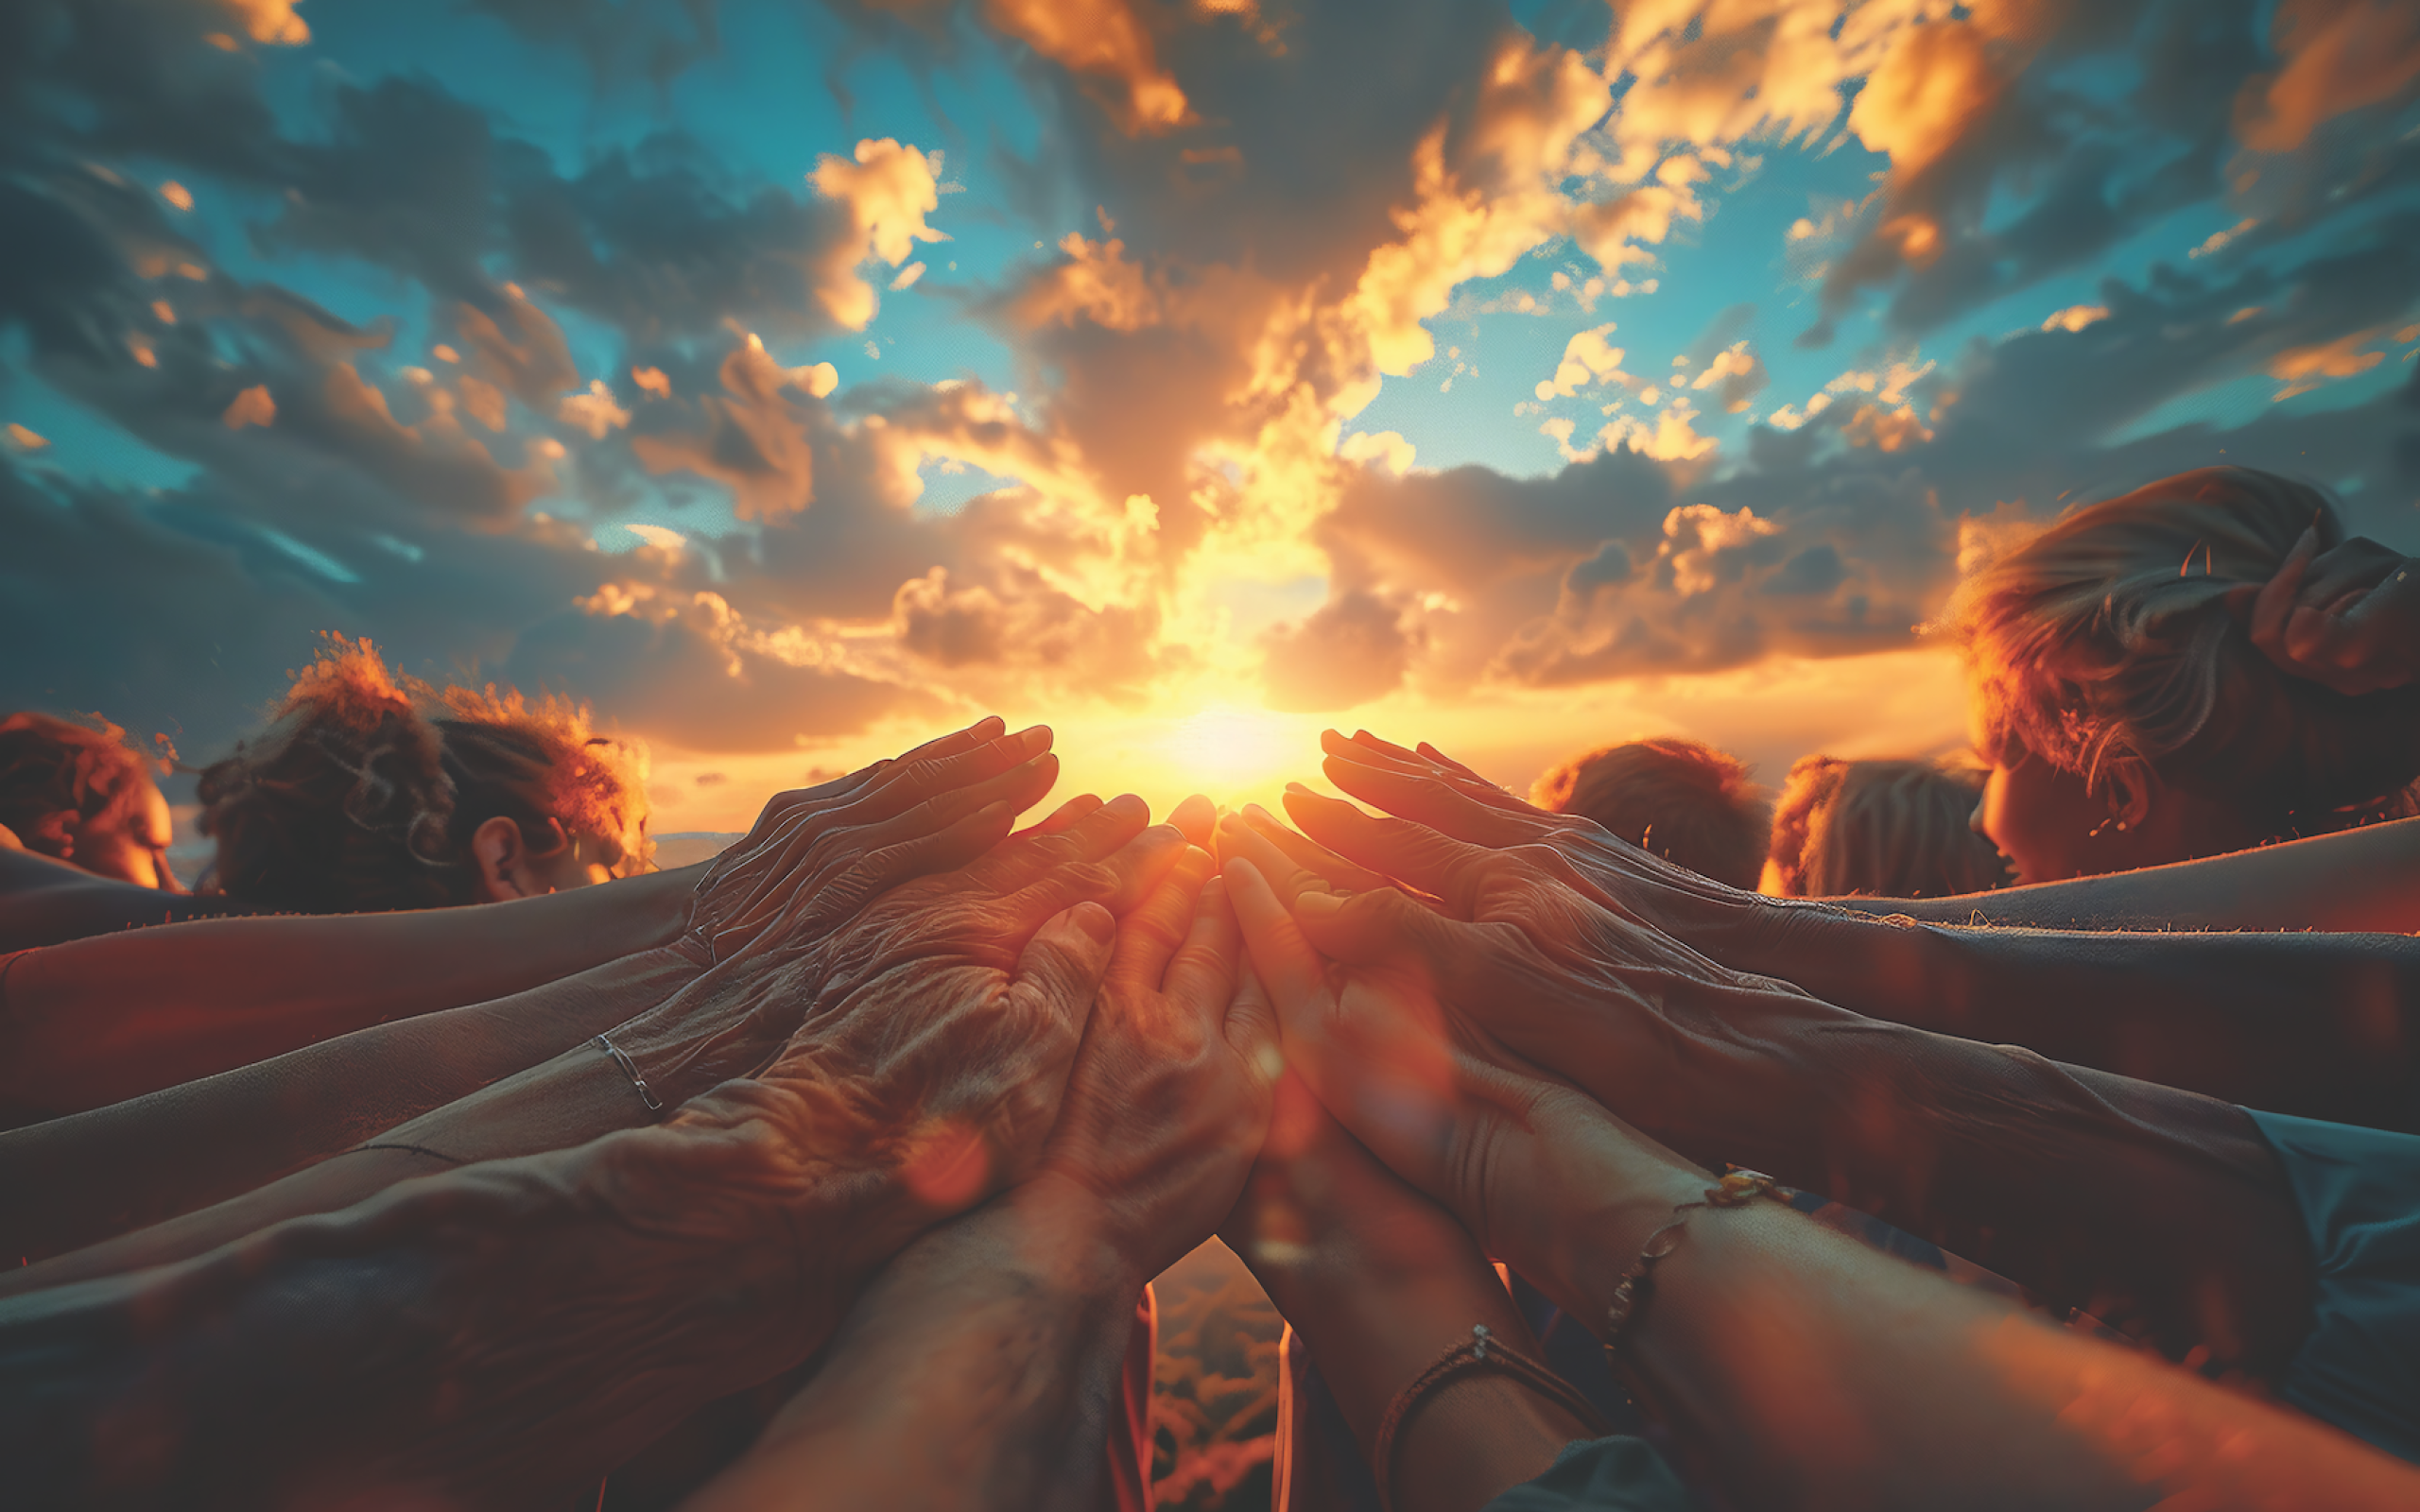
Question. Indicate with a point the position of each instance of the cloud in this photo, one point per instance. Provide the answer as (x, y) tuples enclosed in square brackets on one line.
[(1587, 358), (2340, 56), (1740, 374), (253, 406), (1353, 649), (888, 190), (2305, 368), (2075, 316)]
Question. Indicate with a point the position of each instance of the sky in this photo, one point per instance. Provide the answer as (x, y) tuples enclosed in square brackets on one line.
[(788, 381)]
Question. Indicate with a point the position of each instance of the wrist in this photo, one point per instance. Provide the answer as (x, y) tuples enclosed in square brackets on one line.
[(1063, 1232)]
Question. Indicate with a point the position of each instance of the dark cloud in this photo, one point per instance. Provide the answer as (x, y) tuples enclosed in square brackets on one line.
[(1353, 649)]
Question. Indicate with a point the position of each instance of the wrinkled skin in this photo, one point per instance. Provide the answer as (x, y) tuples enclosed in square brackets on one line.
[(2347, 618), (815, 853), (1499, 1144), (936, 1016), (1432, 790), (1171, 1094), (1527, 957)]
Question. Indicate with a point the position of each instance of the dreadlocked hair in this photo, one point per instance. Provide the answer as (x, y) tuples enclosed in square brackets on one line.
[(364, 792), (57, 774), (2107, 645)]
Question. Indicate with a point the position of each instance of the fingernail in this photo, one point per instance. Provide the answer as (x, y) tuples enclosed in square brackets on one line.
[(1128, 804), (1095, 921), (1032, 740), (1321, 904)]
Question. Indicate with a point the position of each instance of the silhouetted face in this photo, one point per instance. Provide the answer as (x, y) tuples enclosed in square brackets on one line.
[(591, 858), (2044, 820), (129, 841)]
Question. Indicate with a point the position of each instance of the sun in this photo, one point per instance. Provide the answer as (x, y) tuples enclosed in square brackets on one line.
[(1227, 752)]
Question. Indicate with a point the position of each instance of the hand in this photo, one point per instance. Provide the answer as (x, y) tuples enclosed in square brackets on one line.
[(1433, 789), (2347, 618), (1170, 1093), (961, 930), (1534, 1169), (814, 855), (1533, 963)]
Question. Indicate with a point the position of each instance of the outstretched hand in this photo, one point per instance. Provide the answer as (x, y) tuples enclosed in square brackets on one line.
[(1170, 1097), (817, 854)]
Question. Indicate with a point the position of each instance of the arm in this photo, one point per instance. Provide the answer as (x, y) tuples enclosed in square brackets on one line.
[(730, 1022), (2363, 881), (1379, 1281), (1794, 1366), (979, 1369), (475, 1338), (44, 901), (2323, 1025), (481, 1336), (78, 1181), (2159, 1211), (978, 1373), (96, 1020)]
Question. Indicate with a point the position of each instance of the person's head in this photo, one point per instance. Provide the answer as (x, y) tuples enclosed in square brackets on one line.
[(370, 792), (1687, 802), (2128, 716), (1885, 828), (76, 791)]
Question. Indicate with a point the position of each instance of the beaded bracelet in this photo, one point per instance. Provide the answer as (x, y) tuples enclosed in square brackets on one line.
[(1481, 1353), (1736, 1190)]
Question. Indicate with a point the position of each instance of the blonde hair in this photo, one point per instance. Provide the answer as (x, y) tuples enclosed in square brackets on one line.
[(1884, 829), (2107, 645), (365, 790), (1683, 800)]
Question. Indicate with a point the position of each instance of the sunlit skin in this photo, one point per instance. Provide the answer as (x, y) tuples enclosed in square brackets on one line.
[(2052, 827), (128, 842), (1784, 1357)]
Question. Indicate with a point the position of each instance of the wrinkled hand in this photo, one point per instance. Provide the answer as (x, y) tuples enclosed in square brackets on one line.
[(1517, 952), (1436, 792), (815, 855), (2347, 617), (1515, 1154), (1170, 1093), (942, 944)]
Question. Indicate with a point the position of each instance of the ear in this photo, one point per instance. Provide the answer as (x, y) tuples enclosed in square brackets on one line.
[(2134, 792), (503, 860)]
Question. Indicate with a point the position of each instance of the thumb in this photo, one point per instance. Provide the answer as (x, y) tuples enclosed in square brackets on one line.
[(1068, 956)]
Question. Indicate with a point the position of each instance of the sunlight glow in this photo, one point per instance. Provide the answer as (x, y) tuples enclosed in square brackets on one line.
[(1223, 750)]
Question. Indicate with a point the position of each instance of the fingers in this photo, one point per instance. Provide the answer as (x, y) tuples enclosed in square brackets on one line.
[(1062, 817), (1064, 962), (1119, 881), (1150, 935), (1282, 958), (908, 782), (1290, 864), (1433, 801), (1411, 853), (1198, 817), (1250, 1025), (1090, 836), (1385, 926), (1204, 970), (2274, 603)]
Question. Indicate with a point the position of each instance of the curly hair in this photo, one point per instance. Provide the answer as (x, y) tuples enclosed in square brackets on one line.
[(364, 792), (2108, 645), (1684, 801), (58, 774), (1884, 829)]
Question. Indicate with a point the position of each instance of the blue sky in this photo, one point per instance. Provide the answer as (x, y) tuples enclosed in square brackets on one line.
[(1147, 433)]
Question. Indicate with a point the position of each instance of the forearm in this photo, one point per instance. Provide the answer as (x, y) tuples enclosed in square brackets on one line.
[(2319, 1025), (75, 1181), (465, 1340), (979, 1370), (1798, 1369), (2360, 881), (2162, 1212), (1374, 1316), (98, 1020)]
